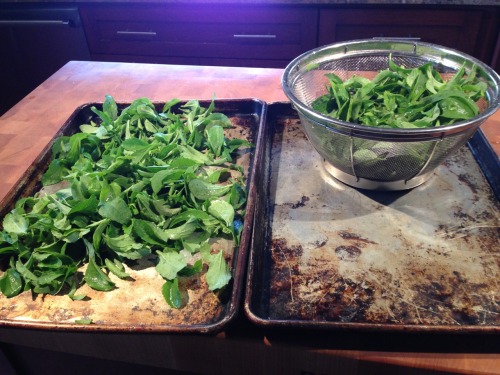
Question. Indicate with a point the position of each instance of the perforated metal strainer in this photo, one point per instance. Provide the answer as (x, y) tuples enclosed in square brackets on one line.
[(380, 158)]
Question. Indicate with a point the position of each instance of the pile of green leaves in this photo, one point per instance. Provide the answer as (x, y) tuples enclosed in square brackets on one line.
[(403, 98), (133, 183), (396, 98)]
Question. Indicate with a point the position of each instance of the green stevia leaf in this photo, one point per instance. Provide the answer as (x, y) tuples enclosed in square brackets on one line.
[(151, 234), (24, 270), (172, 294), (84, 321), (15, 223), (11, 283), (218, 274), (102, 132), (147, 209), (238, 196), (182, 231), (203, 190), (55, 173), (163, 208), (116, 268), (106, 119), (147, 111), (216, 119), (98, 232), (71, 293), (110, 108), (165, 177), (189, 152), (192, 214), (86, 128), (92, 183), (71, 235), (138, 186), (215, 174), (79, 190), (334, 79), (150, 127), (323, 104), (89, 247), (49, 283), (222, 210), (49, 260), (40, 205), (76, 142), (430, 117), (56, 247), (168, 151), (87, 206), (96, 278), (458, 108), (135, 144), (215, 139), (126, 246), (58, 208), (169, 264), (184, 163), (116, 210), (168, 105)]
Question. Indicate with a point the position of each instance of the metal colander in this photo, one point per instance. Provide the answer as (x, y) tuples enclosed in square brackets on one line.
[(380, 158)]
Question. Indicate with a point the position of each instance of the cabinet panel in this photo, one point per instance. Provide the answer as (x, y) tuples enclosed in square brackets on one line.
[(211, 32), (457, 28), (36, 40)]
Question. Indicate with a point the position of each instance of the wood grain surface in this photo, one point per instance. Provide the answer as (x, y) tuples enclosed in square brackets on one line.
[(243, 349)]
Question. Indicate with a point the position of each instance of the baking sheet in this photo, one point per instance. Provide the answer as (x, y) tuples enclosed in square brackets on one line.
[(137, 304), (328, 256)]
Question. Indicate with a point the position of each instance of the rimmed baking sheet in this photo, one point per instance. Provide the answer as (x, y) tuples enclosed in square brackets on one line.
[(137, 304), (328, 256)]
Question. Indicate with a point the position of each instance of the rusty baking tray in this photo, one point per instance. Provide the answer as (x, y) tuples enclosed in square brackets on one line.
[(137, 305), (328, 256)]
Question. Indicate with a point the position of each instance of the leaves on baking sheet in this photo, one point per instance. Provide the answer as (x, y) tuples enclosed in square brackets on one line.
[(137, 183)]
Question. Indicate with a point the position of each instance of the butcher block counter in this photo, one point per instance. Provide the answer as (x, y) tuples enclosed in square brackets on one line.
[(242, 347)]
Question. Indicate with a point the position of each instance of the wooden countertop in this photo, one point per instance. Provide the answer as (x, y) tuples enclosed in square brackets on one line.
[(28, 126)]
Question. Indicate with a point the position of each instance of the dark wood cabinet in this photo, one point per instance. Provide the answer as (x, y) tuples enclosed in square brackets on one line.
[(36, 40), (469, 30), (236, 35), (270, 36)]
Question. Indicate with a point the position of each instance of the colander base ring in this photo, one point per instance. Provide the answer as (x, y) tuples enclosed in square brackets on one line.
[(364, 183)]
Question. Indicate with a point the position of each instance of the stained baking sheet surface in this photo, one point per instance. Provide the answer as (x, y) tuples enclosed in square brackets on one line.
[(136, 304), (326, 255)]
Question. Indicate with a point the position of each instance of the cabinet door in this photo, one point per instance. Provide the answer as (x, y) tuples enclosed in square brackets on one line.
[(36, 41), (184, 32), (458, 29)]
